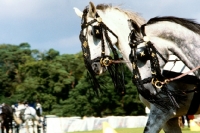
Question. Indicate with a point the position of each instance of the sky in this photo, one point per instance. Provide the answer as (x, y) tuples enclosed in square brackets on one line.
[(46, 24)]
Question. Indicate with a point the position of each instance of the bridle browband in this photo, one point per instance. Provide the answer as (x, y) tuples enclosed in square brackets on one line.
[(165, 99), (112, 64)]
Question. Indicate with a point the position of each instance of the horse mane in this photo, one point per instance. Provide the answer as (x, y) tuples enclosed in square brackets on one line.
[(188, 23), (132, 15)]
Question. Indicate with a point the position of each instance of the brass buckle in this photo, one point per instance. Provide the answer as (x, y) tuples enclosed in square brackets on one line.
[(159, 84), (153, 81), (105, 61)]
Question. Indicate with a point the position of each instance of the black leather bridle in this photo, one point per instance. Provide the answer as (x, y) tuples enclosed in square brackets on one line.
[(100, 31), (164, 98)]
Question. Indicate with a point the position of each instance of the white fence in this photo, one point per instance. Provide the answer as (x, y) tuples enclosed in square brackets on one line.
[(72, 124)]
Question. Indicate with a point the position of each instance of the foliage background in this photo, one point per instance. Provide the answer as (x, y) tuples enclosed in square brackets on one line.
[(60, 83)]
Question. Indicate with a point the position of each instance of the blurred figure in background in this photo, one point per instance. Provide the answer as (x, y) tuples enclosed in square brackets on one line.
[(181, 121), (39, 109), (188, 118)]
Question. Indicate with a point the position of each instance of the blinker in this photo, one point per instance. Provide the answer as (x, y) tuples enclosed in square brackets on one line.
[(96, 31), (142, 54)]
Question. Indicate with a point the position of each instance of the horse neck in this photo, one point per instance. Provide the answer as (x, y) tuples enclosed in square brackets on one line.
[(117, 21), (183, 41)]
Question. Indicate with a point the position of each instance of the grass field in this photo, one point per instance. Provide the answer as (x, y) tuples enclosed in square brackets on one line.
[(134, 130)]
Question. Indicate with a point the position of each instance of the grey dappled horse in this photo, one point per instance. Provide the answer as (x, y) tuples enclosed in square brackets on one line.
[(181, 93), (182, 37), (105, 28)]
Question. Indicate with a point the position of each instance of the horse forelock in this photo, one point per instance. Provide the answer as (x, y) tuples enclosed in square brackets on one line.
[(187, 23)]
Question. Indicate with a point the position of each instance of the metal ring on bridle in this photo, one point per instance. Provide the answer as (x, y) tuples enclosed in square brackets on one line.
[(158, 84), (105, 61), (153, 81)]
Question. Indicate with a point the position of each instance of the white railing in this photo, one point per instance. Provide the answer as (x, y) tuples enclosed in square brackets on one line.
[(72, 124)]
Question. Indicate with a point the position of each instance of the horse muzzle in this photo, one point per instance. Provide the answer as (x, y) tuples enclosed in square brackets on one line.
[(98, 68)]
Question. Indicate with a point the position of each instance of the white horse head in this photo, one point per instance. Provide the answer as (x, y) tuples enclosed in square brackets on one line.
[(104, 34), (105, 28), (97, 47)]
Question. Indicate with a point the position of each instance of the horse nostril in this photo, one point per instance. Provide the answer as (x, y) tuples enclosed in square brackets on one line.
[(95, 67)]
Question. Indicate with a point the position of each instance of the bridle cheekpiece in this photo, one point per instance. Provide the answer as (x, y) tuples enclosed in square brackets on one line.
[(112, 64)]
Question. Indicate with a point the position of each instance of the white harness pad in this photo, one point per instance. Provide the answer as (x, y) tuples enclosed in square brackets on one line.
[(177, 66)]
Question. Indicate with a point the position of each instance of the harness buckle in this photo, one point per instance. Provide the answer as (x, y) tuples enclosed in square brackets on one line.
[(153, 81), (158, 84), (166, 81), (105, 61)]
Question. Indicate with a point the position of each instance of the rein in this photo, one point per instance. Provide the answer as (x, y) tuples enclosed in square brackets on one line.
[(178, 77)]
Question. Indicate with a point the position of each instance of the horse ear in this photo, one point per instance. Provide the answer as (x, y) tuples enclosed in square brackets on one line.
[(78, 12), (130, 24), (133, 25), (92, 10)]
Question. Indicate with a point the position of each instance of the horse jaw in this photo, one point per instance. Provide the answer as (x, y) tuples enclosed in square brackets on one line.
[(78, 12)]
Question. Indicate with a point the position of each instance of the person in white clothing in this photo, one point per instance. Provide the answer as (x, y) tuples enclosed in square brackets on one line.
[(20, 106), (39, 109)]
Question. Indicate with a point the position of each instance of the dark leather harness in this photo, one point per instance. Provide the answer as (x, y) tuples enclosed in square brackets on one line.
[(165, 98)]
